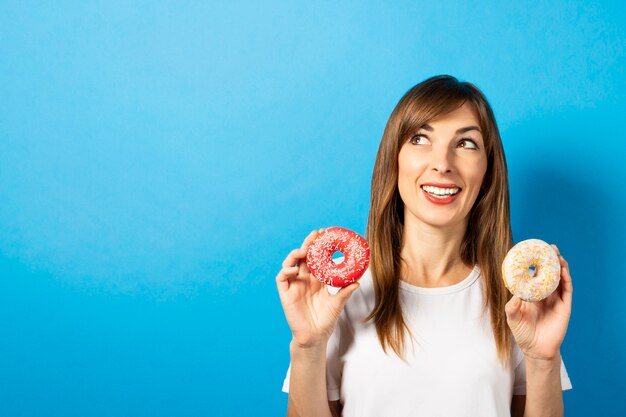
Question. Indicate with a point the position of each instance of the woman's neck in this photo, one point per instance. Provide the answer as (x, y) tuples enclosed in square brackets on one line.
[(431, 255)]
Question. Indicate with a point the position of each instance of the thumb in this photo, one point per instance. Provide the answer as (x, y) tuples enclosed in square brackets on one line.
[(346, 292), (513, 310)]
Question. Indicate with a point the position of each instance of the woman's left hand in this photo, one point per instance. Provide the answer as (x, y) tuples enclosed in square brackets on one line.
[(539, 327)]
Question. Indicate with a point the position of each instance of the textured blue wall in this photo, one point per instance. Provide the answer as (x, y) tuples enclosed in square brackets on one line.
[(158, 160)]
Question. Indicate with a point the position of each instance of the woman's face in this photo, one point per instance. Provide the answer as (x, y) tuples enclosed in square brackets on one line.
[(441, 169)]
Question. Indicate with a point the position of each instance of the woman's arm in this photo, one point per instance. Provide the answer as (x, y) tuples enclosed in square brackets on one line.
[(312, 313), (307, 384), (539, 329), (544, 396)]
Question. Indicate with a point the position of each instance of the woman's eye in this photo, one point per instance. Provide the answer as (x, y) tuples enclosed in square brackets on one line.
[(468, 144), (418, 140)]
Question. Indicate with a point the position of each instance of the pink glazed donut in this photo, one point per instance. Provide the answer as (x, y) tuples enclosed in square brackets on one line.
[(356, 253), (531, 270)]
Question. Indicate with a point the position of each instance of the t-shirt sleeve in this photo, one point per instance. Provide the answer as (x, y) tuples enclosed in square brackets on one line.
[(519, 385), (286, 381), (333, 365)]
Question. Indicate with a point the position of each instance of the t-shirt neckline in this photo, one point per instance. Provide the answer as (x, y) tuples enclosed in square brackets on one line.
[(466, 282)]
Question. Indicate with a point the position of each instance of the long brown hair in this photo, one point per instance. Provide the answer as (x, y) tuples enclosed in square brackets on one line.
[(488, 235)]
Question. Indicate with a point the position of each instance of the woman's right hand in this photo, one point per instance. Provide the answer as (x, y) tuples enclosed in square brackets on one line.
[(310, 309)]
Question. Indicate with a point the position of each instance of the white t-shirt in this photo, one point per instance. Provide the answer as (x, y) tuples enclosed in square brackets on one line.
[(453, 369)]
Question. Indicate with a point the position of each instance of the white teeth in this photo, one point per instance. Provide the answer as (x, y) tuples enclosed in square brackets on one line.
[(440, 191)]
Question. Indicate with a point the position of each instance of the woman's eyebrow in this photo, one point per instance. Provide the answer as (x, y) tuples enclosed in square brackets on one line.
[(459, 131), (467, 129)]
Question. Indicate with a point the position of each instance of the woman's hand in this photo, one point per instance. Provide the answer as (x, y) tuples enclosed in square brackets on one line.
[(539, 327), (310, 309)]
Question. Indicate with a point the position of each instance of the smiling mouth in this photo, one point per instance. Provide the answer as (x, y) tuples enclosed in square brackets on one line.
[(441, 192)]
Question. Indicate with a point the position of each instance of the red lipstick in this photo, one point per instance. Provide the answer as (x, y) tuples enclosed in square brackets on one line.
[(443, 200)]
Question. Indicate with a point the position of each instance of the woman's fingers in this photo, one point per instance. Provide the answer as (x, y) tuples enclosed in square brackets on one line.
[(304, 269), (566, 282), (513, 310), (309, 239), (294, 257), (346, 292), (567, 288), (293, 265), (290, 269), (283, 277)]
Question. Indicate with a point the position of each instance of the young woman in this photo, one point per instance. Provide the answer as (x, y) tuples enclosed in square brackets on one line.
[(430, 329)]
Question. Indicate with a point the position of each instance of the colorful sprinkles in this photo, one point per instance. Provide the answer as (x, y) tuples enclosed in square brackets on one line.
[(531, 270), (356, 256)]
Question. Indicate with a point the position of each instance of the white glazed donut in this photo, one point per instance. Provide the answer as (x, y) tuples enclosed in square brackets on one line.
[(531, 270)]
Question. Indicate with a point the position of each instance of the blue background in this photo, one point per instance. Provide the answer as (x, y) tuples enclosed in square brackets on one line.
[(158, 160)]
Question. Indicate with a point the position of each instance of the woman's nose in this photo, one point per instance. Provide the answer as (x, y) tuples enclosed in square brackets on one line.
[(442, 160)]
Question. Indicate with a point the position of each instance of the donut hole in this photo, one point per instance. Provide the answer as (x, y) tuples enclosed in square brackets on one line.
[(532, 270), (338, 257)]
